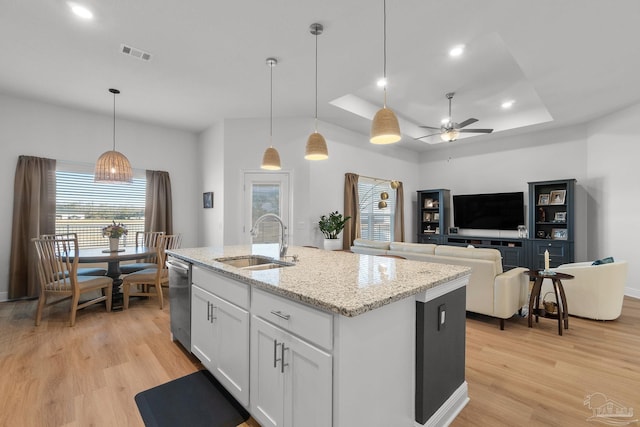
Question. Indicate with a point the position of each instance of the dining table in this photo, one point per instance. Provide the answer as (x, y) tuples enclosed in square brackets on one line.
[(113, 259)]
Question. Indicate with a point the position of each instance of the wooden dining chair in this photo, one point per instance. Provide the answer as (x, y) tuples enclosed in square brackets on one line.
[(82, 271), (57, 272), (143, 238), (149, 282)]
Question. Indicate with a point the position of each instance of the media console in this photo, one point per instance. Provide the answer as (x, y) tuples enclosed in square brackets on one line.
[(514, 251)]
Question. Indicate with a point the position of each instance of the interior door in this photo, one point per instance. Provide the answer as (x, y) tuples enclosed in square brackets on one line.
[(266, 193)]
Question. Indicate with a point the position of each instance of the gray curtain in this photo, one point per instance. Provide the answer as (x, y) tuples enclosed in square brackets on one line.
[(158, 213), (398, 223), (352, 209), (34, 211)]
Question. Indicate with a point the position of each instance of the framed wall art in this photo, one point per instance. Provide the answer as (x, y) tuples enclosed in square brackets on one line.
[(207, 200)]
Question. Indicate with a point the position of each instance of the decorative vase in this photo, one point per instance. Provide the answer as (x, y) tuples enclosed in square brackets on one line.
[(113, 244), (333, 244)]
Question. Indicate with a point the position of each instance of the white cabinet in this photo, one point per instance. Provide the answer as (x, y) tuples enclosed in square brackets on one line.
[(291, 378), (220, 339), (201, 326)]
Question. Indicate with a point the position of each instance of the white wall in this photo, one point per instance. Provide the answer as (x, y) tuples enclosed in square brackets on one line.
[(612, 188), (318, 187), (44, 130), (211, 170)]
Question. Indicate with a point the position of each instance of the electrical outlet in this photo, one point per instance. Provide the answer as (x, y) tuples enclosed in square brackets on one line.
[(442, 316)]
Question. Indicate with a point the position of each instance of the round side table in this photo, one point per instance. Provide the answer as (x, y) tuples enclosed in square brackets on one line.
[(534, 300)]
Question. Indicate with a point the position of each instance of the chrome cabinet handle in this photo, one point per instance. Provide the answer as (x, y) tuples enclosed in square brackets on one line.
[(275, 353), (282, 364), (208, 311), (281, 314), (212, 316)]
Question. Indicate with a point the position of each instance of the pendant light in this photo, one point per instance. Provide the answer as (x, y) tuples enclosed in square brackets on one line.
[(316, 145), (271, 158), (385, 128), (112, 166)]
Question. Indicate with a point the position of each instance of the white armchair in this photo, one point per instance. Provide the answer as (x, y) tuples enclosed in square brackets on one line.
[(596, 291)]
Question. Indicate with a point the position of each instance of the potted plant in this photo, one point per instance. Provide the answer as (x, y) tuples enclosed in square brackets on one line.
[(331, 226)]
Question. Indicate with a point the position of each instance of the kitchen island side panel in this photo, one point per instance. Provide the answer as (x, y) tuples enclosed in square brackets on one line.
[(440, 351)]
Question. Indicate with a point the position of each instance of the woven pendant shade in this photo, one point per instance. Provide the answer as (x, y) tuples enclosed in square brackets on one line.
[(113, 167), (385, 128), (316, 147), (271, 160)]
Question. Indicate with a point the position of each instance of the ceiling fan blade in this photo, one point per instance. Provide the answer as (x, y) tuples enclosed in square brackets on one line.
[(429, 127), (467, 122), (476, 130), (425, 136)]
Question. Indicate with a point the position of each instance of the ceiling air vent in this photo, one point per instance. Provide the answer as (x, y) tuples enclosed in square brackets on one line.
[(136, 53)]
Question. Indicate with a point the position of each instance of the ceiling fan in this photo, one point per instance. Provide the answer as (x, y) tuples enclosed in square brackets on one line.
[(450, 130)]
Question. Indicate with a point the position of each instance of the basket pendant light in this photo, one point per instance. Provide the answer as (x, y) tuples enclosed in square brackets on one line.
[(385, 128), (316, 148), (271, 158), (113, 166)]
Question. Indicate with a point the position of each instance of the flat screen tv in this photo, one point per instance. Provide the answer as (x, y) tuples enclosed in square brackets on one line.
[(497, 211)]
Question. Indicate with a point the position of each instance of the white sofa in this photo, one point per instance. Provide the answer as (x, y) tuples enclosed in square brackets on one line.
[(596, 291), (491, 291)]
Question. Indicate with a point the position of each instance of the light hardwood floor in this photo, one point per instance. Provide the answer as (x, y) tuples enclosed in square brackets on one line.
[(88, 375)]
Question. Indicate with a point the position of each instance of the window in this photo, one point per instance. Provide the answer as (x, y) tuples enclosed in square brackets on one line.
[(266, 193), (84, 207), (376, 223)]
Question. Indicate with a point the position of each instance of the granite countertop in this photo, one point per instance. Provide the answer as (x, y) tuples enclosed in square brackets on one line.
[(339, 282)]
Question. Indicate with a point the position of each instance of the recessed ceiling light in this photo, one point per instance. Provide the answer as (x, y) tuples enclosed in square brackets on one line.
[(508, 104), (457, 50), (80, 11), (382, 82)]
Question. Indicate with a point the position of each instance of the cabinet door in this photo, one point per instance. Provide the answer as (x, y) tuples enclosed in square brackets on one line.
[(308, 385), (230, 356), (267, 380), (202, 333)]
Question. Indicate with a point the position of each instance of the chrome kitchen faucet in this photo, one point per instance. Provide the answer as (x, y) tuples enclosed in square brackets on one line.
[(283, 239)]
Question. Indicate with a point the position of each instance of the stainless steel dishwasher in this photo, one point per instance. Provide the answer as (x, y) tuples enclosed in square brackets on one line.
[(180, 300)]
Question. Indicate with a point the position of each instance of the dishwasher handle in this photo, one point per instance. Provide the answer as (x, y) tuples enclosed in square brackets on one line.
[(178, 266)]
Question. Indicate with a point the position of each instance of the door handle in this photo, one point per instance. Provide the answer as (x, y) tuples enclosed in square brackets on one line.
[(282, 364), (275, 353), (212, 316)]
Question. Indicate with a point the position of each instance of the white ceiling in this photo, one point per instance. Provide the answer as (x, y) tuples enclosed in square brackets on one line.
[(563, 62)]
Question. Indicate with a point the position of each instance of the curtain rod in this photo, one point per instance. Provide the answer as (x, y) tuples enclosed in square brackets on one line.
[(377, 179)]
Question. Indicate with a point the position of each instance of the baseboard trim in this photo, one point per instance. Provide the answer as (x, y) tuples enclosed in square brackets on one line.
[(449, 409), (633, 293)]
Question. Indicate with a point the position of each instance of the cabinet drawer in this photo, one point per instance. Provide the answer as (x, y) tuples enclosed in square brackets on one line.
[(230, 290), (308, 323)]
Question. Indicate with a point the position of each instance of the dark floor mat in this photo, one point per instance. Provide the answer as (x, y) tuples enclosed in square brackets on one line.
[(194, 400)]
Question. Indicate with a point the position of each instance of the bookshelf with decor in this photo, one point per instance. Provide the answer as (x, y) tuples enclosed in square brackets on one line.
[(551, 222), (434, 210)]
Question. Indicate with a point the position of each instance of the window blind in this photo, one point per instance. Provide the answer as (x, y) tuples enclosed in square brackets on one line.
[(376, 223), (85, 207)]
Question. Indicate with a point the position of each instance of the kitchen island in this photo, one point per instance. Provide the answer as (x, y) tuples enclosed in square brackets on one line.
[(332, 338)]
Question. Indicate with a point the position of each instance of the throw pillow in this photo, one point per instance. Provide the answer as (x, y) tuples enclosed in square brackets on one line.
[(607, 260)]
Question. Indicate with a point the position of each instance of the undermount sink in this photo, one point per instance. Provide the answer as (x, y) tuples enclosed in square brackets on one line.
[(254, 262)]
